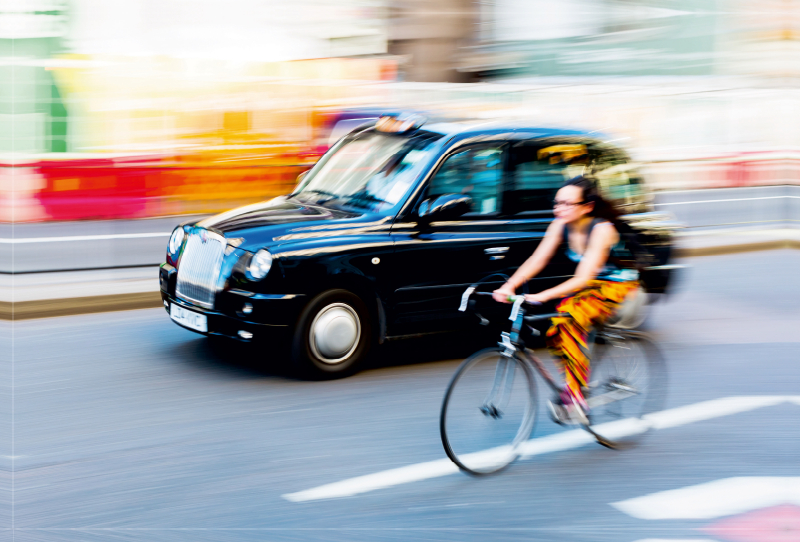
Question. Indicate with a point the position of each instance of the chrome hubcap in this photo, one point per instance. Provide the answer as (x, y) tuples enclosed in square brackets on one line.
[(335, 333)]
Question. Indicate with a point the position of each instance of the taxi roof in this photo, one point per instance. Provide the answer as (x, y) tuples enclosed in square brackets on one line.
[(468, 128)]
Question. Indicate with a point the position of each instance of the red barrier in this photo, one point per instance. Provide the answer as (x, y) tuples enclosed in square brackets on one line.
[(138, 187)]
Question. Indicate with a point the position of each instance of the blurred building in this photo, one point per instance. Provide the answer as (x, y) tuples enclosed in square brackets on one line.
[(33, 117), (430, 35), (48, 49), (589, 38)]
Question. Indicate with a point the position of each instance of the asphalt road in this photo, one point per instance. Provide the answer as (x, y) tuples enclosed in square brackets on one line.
[(122, 426), (96, 244), (763, 207), (126, 243)]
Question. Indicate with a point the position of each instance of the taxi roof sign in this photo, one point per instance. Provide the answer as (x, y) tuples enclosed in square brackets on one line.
[(399, 123)]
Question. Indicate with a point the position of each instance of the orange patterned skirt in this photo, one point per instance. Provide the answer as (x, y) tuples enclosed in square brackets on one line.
[(567, 337)]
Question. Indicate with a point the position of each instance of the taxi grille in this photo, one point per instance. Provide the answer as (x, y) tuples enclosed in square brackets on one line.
[(199, 268)]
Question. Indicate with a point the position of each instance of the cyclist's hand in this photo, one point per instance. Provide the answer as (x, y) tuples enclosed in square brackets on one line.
[(536, 299), (502, 293)]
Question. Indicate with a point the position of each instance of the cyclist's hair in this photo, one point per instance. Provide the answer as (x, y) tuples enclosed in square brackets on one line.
[(602, 208)]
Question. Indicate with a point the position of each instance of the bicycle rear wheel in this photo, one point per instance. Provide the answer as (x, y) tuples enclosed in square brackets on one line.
[(488, 411), (627, 382)]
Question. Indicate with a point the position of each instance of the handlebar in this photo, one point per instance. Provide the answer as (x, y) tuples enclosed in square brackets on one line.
[(516, 300)]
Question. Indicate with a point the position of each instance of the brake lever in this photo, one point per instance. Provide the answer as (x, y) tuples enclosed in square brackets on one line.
[(465, 298)]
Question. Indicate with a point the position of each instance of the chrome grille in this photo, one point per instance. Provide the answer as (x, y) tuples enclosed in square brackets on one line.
[(198, 269)]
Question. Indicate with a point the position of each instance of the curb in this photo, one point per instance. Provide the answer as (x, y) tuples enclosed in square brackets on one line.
[(48, 308), (719, 250)]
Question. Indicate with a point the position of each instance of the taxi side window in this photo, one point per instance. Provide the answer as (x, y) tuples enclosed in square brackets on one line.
[(537, 176), (474, 172)]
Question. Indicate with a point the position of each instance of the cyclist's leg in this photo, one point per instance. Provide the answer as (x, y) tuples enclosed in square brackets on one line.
[(567, 342), (610, 295), (567, 337)]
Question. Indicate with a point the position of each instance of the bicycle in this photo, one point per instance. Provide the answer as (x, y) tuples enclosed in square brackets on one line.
[(488, 412)]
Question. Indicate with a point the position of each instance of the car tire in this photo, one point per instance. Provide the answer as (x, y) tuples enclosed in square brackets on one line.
[(333, 336)]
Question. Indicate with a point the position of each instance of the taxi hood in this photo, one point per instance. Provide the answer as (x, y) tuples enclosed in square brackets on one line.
[(282, 219)]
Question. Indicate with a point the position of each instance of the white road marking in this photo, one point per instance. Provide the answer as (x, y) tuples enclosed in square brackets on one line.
[(28, 240), (716, 408), (711, 500), (568, 440), (723, 200), (378, 480)]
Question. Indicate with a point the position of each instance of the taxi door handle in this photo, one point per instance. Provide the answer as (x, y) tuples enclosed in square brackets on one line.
[(495, 250)]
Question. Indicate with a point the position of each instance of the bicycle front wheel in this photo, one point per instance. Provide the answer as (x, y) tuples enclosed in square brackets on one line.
[(488, 411)]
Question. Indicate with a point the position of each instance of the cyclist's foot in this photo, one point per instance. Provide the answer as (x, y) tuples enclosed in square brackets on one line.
[(557, 412), (577, 415), (569, 409)]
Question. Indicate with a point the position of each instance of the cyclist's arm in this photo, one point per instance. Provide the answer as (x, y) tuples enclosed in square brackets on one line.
[(603, 237), (537, 261)]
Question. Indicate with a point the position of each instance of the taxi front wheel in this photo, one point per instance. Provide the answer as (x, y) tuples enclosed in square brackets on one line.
[(333, 335)]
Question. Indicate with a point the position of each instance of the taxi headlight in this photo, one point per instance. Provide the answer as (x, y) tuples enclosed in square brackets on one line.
[(176, 240), (260, 264)]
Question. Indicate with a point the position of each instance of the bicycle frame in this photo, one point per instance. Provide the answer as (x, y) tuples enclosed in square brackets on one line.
[(513, 344)]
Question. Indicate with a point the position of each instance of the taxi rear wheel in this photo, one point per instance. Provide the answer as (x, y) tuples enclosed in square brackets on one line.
[(333, 336)]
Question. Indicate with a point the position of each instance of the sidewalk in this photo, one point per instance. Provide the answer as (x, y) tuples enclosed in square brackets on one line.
[(42, 295), (731, 241)]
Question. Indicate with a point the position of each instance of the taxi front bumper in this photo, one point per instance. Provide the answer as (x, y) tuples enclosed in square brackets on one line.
[(237, 314)]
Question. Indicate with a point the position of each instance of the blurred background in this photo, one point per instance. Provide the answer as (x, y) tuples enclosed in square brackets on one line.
[(143, 108)]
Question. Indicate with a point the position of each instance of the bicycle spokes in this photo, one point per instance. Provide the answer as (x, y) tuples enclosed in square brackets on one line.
[(611, 393), (625, 385)]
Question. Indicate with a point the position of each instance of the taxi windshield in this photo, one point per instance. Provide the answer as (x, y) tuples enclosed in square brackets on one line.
[(370, 170)]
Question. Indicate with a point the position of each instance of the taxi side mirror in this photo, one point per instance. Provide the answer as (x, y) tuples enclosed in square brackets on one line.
[(444, 207)]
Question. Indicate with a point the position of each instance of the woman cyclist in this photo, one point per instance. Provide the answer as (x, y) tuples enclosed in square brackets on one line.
[(585, 224)]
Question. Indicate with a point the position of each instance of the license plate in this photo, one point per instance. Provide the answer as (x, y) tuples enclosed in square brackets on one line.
[(189, 319)]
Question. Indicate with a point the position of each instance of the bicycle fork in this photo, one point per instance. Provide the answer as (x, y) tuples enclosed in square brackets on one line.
[(498, 397)]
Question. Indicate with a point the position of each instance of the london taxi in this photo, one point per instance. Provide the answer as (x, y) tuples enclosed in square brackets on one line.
[(381, 237)]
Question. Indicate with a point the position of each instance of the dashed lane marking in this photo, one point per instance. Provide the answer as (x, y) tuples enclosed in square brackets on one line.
[(715, 499)]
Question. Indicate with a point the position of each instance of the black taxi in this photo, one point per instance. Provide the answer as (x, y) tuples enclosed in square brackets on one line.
[(381, 237)]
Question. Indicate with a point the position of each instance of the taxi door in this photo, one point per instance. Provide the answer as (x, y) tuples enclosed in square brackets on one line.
[(434, 264)]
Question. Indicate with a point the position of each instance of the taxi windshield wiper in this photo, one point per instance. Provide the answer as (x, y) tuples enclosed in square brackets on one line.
[(319, 192), (363, 197), (326, 196)]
